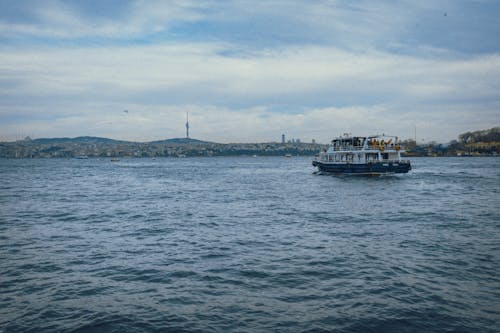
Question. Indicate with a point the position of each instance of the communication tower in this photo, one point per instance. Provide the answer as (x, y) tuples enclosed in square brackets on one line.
[(187, 125)]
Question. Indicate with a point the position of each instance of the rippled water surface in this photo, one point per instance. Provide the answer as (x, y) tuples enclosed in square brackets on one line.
[(248, 245)]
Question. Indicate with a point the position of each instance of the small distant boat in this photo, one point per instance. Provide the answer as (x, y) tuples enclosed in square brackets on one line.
[(82, 157), (372, 155), (115, 160), (288, 155)]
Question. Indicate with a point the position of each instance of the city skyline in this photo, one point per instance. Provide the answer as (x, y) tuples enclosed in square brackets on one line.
[(248, 72)]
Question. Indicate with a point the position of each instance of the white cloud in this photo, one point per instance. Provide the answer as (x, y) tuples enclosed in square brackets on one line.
[(198, 70), (57, 19), (219, 124), (239, 93)]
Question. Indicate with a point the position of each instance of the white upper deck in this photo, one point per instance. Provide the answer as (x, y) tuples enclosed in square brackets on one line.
[(349, 149), (376, 143)]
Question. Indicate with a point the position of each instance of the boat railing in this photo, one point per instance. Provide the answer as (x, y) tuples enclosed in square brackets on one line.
[(391, 161), (324, 159), (347, 148), (373, 148)]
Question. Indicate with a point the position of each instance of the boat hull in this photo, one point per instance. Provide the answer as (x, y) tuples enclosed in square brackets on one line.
[(364, 169)]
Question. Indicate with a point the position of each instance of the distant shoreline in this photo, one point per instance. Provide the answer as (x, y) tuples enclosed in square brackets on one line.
[(186, 147), (478, 143)]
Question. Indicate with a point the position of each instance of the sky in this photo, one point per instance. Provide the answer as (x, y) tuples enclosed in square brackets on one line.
[(248, 71)]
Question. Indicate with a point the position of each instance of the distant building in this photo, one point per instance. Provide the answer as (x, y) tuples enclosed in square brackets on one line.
[(313, 141), (282, 138)]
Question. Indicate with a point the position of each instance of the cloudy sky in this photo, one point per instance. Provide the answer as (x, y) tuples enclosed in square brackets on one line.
[(248, 71)]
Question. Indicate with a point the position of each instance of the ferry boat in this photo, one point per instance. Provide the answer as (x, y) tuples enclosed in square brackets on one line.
[(371, 155)]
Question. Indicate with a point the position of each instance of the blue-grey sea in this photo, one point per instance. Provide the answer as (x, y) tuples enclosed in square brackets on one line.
[(243, 244)]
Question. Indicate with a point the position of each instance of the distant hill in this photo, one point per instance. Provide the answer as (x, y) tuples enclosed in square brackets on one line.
[(178, 147), (182, 141), (80, 139), (98, 140), (489, 135)]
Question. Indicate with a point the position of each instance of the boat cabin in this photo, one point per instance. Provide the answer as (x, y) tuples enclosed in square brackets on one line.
[(361, 150)]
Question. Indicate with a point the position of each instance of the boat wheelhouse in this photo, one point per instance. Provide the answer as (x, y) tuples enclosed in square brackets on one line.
[(371, 155)]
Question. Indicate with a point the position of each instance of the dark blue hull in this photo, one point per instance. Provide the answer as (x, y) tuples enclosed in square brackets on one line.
[(364, 169)]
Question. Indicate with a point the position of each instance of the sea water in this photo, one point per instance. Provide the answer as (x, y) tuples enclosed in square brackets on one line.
[(244, 244)]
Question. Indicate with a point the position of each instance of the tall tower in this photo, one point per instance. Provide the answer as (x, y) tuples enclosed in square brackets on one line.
[(187, 125)]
